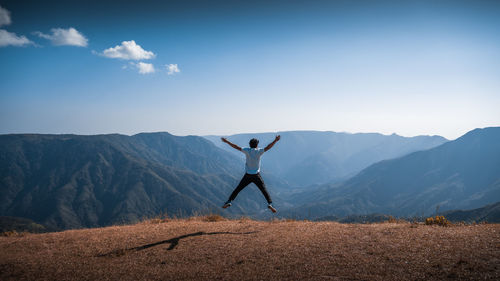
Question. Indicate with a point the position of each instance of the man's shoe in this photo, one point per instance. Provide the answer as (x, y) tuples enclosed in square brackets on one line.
[(227, 205), (270, 207)]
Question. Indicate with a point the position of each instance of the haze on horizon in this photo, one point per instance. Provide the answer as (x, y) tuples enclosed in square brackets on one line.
[(227, 67)]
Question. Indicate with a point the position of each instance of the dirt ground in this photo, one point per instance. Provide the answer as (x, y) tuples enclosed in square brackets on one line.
[(254, 250)]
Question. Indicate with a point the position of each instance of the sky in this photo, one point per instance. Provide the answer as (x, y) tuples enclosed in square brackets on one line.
[(227, 67)]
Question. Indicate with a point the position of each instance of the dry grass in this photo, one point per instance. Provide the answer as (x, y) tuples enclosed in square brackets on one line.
[(213, 249)]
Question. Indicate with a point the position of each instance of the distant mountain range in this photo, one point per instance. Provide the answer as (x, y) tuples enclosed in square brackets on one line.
[(489, 213), (460, 174), (70, 181), (305, 158)]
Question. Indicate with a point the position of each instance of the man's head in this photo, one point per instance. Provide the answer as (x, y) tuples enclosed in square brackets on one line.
[(253, 143)]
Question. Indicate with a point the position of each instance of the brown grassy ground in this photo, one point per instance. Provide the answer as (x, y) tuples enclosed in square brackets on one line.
[(252, 250)]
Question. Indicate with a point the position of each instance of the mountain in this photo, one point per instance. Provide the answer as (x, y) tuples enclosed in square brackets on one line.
[(460, 174), (191, 153), (489, 213), (305, 158), (70, 181)]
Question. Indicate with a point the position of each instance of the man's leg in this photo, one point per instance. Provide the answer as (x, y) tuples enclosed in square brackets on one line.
[(257, 179), (246, 180)]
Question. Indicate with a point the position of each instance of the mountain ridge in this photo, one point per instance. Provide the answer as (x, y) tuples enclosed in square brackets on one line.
[(71, 181), (305, 158), (464, 173)]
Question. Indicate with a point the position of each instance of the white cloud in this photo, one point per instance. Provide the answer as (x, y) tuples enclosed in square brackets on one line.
[(145, 68), (11, 39), (4, 17), (61, 36), (128, 50), (172, 68)]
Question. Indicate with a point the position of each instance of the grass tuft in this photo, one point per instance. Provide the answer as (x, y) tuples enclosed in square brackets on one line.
[(160, 218), (392, 219), (213, 218)]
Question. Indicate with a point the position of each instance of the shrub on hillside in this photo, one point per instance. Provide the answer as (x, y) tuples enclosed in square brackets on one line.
[(437, 220), (12, 233)]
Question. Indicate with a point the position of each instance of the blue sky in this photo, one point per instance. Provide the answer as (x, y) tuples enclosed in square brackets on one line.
[(405, 67)]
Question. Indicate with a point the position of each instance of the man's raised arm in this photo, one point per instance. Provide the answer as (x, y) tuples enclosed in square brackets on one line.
[(231, 144), (276, 139)]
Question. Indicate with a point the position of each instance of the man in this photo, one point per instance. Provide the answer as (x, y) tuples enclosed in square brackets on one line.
[(252, 170)]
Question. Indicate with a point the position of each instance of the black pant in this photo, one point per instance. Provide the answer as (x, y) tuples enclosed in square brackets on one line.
[(246, 180)]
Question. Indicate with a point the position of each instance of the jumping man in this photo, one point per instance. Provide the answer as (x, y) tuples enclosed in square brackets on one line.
[(252, 169)]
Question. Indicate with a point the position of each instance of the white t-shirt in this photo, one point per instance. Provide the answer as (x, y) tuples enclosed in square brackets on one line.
[(252, 165)]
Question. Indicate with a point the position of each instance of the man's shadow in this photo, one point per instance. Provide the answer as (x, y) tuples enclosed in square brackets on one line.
[(173, 243)]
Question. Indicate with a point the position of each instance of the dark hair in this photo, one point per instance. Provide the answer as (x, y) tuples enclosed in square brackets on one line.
[(253, 143)]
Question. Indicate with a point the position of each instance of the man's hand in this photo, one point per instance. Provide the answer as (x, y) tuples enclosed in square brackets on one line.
[(277, 138), (231, 144)]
